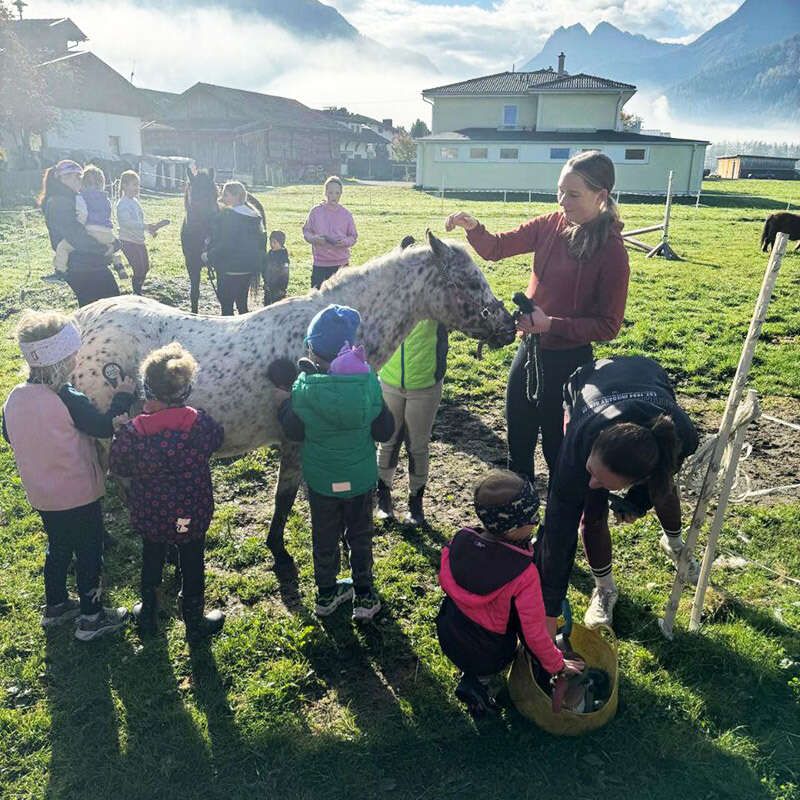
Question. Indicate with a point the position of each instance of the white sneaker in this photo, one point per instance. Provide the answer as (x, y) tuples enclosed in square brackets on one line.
[(693, 573), (601, 607)]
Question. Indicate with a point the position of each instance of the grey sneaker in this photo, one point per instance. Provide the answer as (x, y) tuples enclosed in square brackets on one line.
[(366, 606), (107, 620), (693, 573), (62, 612), (601, 607), (55, 277), (328, 602)]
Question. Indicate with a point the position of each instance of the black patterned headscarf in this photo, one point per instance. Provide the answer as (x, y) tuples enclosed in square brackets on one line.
[(520, 510)]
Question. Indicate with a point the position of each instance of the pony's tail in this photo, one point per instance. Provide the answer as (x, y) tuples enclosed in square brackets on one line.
[(765, 234)]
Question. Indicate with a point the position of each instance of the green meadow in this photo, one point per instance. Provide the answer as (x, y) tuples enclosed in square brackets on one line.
[(283, 705)]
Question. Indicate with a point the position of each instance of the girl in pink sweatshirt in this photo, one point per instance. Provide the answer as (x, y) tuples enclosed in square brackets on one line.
[(493, 595), (331, 232), (51, 428)]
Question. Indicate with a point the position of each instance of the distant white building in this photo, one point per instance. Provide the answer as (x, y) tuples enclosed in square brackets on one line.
[(100, 111), (514, 131)]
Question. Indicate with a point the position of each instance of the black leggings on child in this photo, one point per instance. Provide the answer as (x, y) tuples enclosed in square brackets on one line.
[(79, 532), (191, 559)]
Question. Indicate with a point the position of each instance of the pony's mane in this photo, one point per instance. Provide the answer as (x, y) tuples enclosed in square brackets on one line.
[(419, 252)]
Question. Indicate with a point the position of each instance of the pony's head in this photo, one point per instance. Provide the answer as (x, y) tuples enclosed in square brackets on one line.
[(201, 192), (462, 299)]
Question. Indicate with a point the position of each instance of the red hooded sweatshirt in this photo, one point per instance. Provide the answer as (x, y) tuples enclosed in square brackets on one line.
[(585, 299)]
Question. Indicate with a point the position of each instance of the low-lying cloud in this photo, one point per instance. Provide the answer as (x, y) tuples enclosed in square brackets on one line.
[(173, 48)]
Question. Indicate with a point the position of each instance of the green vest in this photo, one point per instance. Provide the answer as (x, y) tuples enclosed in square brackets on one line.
[(416, 363), (338, 452)]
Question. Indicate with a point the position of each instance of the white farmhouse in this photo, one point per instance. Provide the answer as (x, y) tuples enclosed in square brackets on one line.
[(514, 131), (100, 112)]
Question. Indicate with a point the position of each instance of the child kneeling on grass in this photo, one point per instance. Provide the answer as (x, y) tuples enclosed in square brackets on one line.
[(493, 594), (50, 427), (165, 451), (336, 410)]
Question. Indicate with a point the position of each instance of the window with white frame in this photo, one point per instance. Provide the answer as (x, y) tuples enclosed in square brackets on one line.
[(559, 153), (509, 153), (510, 116), (479, 153), (635, 154), (448, 153)]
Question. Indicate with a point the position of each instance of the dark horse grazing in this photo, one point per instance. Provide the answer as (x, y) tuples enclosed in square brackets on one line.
[(200, 200), (782, 222)]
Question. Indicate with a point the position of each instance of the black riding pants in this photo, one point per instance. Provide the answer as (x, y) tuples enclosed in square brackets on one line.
[(232, 290), (525, 420), (92, 284)]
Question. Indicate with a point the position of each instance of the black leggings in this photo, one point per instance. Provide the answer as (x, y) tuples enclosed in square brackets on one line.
[(192, 563), (320, 274), (232, 290), (77, 531), (526, 420), (92, 284)]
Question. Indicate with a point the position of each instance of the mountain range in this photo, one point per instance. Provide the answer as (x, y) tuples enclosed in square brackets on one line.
[(744, 68)]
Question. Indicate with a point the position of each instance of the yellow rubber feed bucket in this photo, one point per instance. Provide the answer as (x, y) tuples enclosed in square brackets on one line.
[(598, 648)]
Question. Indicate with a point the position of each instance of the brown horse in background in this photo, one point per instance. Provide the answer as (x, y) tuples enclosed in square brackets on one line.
[(782, 222), (201, 203)]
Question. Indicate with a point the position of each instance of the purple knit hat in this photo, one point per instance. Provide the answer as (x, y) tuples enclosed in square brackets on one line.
[(67, 167)]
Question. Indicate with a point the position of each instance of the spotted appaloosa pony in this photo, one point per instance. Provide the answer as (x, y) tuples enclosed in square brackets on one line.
[(436, 281), (201, 203)]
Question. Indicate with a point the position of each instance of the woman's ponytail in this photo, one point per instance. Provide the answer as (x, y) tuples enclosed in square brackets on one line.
[(661, 483)]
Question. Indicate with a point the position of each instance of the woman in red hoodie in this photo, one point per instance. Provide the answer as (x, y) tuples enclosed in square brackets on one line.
[(579, 285)]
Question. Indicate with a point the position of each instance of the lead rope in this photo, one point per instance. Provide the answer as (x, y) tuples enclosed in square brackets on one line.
[(534, 379)]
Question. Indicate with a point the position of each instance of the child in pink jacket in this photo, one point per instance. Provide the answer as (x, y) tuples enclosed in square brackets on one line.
[(493, 595), (331, 232)]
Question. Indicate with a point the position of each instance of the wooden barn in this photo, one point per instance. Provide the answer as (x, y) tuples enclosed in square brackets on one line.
[(259, 138), (741, 166)]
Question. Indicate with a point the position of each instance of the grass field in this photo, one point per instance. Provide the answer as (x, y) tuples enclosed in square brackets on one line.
[(285, 706)]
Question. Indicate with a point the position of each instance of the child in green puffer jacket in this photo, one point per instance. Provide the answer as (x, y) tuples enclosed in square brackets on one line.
[(337, 411)]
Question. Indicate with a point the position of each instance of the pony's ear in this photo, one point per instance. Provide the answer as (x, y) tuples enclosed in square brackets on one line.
[(440, 249)]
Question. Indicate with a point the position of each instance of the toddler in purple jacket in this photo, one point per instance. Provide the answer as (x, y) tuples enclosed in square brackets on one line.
[(165, 451)]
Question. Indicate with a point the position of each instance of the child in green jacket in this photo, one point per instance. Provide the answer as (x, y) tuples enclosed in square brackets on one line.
[(336, 410)]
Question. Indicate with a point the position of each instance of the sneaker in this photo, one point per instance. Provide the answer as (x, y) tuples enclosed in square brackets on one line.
[(107, 620), (62, 612), (601, 607), (693, 573), (366, 606), (328, 602), (55, 277)]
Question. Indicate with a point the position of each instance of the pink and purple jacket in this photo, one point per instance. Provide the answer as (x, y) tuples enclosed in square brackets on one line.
[(335, 222), (166, 455), (487, 579)]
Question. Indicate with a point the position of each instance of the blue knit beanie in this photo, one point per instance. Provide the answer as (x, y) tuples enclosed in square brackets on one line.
[(330, 329)]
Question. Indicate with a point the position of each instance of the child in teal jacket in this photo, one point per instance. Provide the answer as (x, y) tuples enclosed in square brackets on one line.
[(336, 410)]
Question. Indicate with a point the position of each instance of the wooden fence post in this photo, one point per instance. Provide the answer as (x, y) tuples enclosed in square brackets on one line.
[(732, 406), (729, 471)]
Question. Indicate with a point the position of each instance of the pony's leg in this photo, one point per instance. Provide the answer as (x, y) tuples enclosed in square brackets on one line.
[(193, 267), (288, 483)]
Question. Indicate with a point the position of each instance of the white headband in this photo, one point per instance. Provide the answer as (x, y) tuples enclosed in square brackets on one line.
[(47, 352)]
